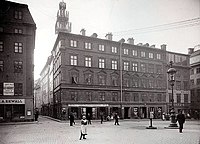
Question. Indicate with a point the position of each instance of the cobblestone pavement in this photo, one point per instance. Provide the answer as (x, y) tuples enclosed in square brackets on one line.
[(129, 132)]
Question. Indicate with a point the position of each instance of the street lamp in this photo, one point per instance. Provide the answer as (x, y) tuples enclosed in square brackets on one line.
[(120, 59), (171, 78)]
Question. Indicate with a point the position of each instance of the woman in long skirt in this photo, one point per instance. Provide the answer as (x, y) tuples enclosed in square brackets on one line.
[(83, 128)]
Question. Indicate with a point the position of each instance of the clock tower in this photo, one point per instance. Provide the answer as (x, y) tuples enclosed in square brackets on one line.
[(62, 22)]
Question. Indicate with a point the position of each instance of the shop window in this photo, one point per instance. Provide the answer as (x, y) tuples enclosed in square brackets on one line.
[(18, 111)]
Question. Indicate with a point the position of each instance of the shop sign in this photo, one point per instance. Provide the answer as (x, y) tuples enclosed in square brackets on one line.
[(12, 101), (8, 88)]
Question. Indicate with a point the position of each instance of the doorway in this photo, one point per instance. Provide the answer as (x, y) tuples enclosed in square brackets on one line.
[(126, 112)]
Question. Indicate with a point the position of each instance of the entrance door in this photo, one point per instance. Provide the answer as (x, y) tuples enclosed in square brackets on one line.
[(8, 111), (88, 111), (126, 113)]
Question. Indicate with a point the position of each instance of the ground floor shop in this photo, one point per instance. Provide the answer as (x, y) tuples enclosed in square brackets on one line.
[(16, 110), (129, 111)]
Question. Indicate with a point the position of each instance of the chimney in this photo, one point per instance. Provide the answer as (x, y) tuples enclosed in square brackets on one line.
[(94, 35), (152, 46), (163, 47), (109, 36), (83, 32), (131, 41), (146, 45), (190, 51)]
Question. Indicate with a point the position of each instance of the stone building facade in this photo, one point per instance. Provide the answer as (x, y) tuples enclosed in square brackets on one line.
[(17, 43)]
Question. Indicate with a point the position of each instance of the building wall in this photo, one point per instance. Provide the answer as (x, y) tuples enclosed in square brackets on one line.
[(147, 96), (195, 81), (17, 26)]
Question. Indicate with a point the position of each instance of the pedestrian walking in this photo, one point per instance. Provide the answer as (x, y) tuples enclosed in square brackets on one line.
[(36, 114), (83, 127), (101, 115), (163, 116), (116, 117), (181, 120), (89, 118), (71, 119)]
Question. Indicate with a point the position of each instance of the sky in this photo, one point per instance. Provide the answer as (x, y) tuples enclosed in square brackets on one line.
[(175, 23)]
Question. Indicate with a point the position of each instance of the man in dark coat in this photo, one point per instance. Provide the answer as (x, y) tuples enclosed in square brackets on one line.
[(36, 114), (181, 120), (89, 118), (116, 119), (71, 119)]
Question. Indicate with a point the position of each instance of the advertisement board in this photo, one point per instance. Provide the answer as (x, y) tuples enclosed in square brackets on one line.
[(8, 88)]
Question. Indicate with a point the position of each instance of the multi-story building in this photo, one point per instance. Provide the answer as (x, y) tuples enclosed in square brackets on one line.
[(195, 80), (181, 95), (46, 84), (37, 94), (17, 43), (88, 73)]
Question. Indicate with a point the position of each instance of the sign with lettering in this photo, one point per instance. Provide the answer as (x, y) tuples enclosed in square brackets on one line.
[(12, 101), (8, 88)]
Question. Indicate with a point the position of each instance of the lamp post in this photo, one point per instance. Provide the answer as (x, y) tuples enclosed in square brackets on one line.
[(171, 78), (120, 59)]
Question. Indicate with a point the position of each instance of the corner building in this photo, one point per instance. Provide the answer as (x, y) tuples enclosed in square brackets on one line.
[(86, 76), (17, 43)]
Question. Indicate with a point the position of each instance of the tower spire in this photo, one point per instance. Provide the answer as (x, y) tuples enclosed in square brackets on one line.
[(62, 22)]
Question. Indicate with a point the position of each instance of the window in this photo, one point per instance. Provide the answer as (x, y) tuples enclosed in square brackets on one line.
[(127, 97), (101, 48), (134, 52), (192, 71), (89, 96), (101, 63), (178, 85), (88, 45), (198, 70), (114, 96), (125, 51), (75, 77), (135, 82), (1, 66), (126, 66), (102, 96), (88, 61), (18, 67), (1, 46), (178, 98), (74, 96), (102, 80), (18, 15), (135, 97), (170, 97), (88, 79), (18, 89), (114, 49), (73, 59), (151, 55), (185, 85), (158, 56), (198, 81), (151, 83), (151, 68), (143, 67), (158, 69), (135, 66), (159, 97), (18, 47), (114, 64), (126, 82), (143, 83), (114, 80), (19, 31), (142, 54), (185, 98), (73, 43), (192, 82)]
